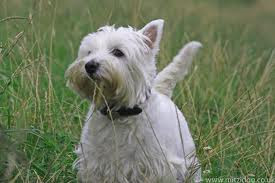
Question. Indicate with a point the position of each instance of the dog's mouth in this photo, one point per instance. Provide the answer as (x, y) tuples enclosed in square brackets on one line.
[(95, 76)]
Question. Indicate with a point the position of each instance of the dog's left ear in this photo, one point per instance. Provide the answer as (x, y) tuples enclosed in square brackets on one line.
[(153, 31)]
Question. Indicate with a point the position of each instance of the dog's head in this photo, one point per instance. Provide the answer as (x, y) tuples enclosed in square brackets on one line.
[(116, 65)]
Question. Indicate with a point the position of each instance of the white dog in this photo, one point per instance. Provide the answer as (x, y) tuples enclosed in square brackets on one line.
[(134, 133)]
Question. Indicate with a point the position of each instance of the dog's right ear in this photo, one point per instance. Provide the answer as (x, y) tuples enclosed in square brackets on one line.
[(153, 31)]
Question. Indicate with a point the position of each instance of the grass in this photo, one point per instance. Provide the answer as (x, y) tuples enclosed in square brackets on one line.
[(228, 98)]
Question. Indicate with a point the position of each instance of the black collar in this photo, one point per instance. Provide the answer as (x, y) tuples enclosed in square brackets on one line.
[(123, 111)]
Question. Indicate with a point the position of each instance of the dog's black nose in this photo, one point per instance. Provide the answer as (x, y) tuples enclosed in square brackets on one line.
[(91, 67)]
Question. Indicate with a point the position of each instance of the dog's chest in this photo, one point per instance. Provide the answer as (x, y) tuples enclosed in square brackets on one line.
[(127, 139), (131, 146)]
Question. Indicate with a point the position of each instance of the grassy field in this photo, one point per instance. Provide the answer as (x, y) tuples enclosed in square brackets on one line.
[(228, 99)]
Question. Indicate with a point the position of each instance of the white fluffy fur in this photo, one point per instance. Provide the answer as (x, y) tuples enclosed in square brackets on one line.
[(167, 79), (154, 146)]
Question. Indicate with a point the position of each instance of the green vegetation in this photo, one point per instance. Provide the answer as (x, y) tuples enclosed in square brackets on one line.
[(228, 99)]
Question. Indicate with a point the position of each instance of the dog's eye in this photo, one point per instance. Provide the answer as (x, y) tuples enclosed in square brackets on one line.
[(117, 53), (89, 52)]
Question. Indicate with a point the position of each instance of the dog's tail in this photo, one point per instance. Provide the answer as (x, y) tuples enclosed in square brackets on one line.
[(167, 79)]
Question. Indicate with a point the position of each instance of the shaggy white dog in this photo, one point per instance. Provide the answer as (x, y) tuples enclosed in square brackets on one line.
[(134, 133)]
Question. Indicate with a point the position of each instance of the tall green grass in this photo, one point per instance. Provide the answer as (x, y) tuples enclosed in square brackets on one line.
[(228, 99)]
